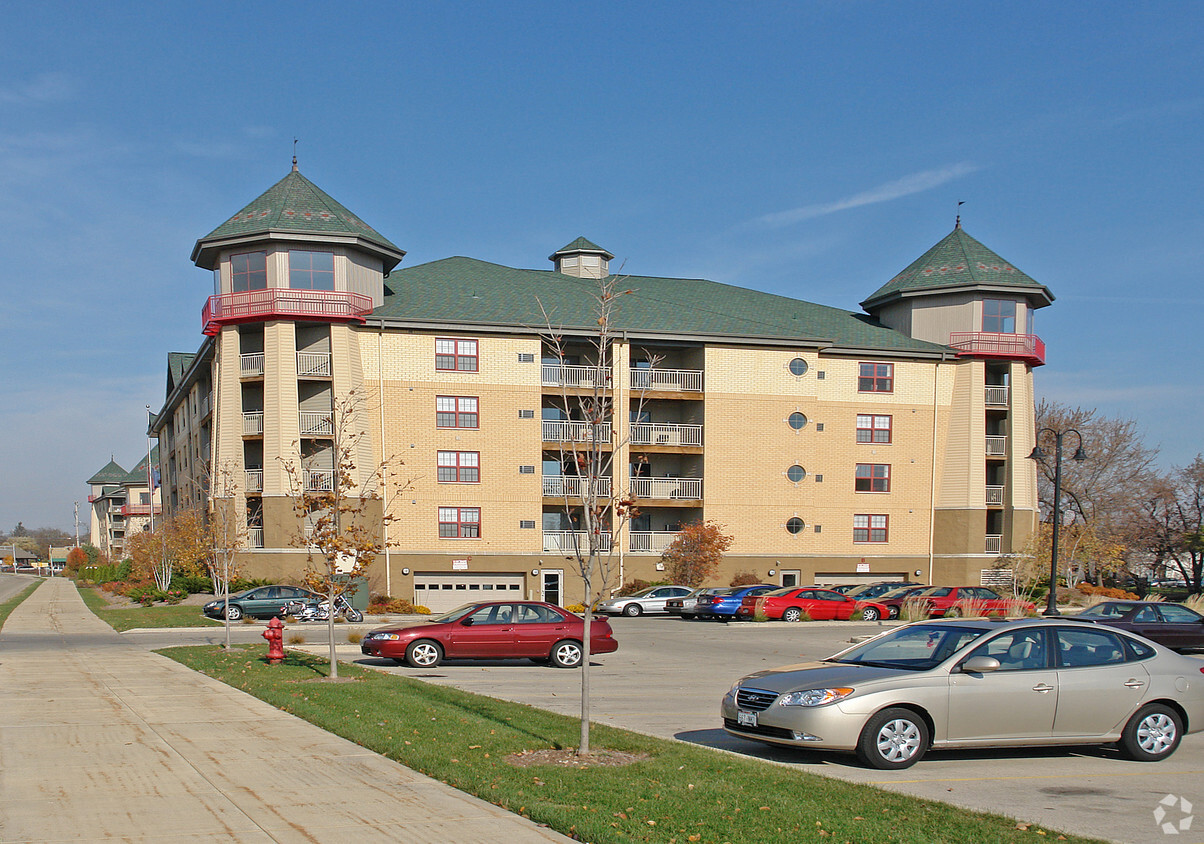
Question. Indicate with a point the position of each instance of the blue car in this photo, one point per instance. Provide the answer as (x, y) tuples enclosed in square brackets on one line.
[(724, 602)]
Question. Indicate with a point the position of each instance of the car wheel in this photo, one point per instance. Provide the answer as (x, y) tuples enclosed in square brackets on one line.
[(424, 654), (567, 654), (1152, 734), (892, 612), (870, 614), (632, 610), (893, 739), (234, 612), (792, 614)]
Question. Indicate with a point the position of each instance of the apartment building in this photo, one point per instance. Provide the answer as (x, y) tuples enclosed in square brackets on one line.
[(122, 503), (832, 445)]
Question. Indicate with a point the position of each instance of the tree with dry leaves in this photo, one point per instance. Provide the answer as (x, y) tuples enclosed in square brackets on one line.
[(1175, 524), (694, 555), (342, 511)]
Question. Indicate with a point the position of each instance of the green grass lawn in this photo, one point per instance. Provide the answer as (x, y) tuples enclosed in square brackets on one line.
[(681, 793), (12, 603), (156, 616)]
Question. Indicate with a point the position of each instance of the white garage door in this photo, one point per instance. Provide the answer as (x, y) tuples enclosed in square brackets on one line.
[(442, 592), (828, 578)]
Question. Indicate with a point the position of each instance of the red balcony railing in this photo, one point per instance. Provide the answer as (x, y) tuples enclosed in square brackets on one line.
[(281, 302), (1028, 347), (139, 510)]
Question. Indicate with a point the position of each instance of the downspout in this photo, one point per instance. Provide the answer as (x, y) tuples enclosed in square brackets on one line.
[(384, 471), (932, 478)]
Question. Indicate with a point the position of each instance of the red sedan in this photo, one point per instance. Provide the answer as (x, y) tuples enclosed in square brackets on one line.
[(790, 603), (493, 630), (951, 601)]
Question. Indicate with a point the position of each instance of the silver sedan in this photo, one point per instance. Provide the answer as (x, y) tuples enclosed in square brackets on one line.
[(650, 600), (976, 683)]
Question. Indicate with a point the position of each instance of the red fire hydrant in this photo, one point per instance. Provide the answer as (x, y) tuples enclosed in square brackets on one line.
[(275, 636)]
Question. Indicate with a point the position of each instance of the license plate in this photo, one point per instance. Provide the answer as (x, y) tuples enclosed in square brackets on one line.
[(746, 719)]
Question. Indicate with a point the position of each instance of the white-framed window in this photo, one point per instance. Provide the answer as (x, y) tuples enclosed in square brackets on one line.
[(459, 467), (871, 527), (459, 522), (456, 412), (452, 355)]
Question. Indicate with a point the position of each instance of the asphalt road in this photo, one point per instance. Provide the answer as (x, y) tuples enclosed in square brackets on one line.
[(668, 676)]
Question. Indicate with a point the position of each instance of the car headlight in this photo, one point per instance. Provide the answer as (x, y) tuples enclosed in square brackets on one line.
[(814, 697), (391, 636)]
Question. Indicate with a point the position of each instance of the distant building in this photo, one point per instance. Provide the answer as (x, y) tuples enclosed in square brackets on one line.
[(834, 446), (122, 503)]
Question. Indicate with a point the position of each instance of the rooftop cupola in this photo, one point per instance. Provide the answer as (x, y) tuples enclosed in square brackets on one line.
[(582, 259)]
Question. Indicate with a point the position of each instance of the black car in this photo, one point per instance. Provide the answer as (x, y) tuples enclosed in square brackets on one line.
[(260, 602), (1171, 625), (870, 591)]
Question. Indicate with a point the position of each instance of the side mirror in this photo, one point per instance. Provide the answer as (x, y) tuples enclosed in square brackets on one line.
[(980, 665), (468, 622)]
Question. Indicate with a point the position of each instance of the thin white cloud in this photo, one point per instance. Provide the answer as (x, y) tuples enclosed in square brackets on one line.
[(906, 186), (43, 88)]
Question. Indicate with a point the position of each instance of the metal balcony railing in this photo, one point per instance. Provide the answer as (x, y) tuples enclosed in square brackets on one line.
[(251, 366), (318, 480), (667, 380), (313, 365), (1028, 347), (995, 495), (689, 489), (575, 432), (254, 480), (254, 537), (140, 509), (997, 395), (315, 424), (566, 375), (997, 446), (994, 543), (649, 541), (283, 303), (252, 423), (649, 433), (572, 486), (574, 541)]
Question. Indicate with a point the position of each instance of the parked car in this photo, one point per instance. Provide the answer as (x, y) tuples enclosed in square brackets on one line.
[(871, 591), (650, 600), (844, 588), (791, 603), (1177, 627), (686, 606), (952, 601), (260, 602), (724, 604), (895, 598), (492, 630), (976, 683)]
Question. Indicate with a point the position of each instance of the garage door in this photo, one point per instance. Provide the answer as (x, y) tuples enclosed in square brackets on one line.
[(831, 578), (442, 592)]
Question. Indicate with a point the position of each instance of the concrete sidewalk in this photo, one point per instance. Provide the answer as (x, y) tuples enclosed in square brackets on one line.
[(101, 740)]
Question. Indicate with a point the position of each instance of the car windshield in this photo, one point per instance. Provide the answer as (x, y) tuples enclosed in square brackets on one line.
[(898, 593), (788, 590), (454, 615), (1106, 611), (916, 647)]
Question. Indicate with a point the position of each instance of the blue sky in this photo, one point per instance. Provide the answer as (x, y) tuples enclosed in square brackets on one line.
[(807, 149)]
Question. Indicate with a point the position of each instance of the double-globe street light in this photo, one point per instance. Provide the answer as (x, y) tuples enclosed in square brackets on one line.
[(1051, 606)]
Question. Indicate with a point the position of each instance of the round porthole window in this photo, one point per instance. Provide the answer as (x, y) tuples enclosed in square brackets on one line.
[(798, 366), (795, 525), (796, 473), (797, 420)]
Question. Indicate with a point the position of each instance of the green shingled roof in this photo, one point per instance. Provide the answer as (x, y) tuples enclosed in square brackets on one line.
[(137, 475), (110, 474), (297, 205), (957, 261), (178, 364), (467, 291), (581, 245)]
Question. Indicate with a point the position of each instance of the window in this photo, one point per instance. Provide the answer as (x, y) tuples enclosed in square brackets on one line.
[(1021, 650), (455, 355), (795, 525), (310, 270), (459, 467), (248, 271), (796, 473), (876, 378), (798, 366), (456, 412), (999, 316), (873, 477), (459, 522), (1089, 647), (867, 528), (797, 421), (872, 428)]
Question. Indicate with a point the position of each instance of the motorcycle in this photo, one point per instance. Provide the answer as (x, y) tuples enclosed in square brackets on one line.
[(304, 611)]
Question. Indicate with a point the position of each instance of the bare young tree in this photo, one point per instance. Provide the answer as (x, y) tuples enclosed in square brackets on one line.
[(342, 512), (225, 533), (1175, 519), (597, 502)]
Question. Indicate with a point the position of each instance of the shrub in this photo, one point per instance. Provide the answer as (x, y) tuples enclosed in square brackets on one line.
[(354, 638), (576, 608), (745, 578), (636, 585), (1106, 591), (191, 584), (146, 594), (296, 639), (913, 609), (383, 604)]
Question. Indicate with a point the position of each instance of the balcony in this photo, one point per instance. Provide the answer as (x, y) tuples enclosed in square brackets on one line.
[(283, 303), (254, 537), (315, 424), (574, 541), (997, 446), (649, 541), (140, 509), (251, 366), (576, 432), (648, 433), (254, 481), (313, 365), (578, 377), (995, 495), (667, 380), (684, 489), (573, 486), (1026, 347), (996, 395), (318, 480), (252, 424), (994, 544)]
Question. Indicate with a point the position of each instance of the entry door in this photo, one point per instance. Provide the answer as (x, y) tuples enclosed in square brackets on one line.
[(790, 578), (552, 585)]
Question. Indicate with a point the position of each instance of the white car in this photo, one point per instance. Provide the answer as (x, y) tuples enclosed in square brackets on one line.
[(650, 600)]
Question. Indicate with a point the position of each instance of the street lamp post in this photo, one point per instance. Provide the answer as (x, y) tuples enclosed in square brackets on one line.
[(1051, 606)]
